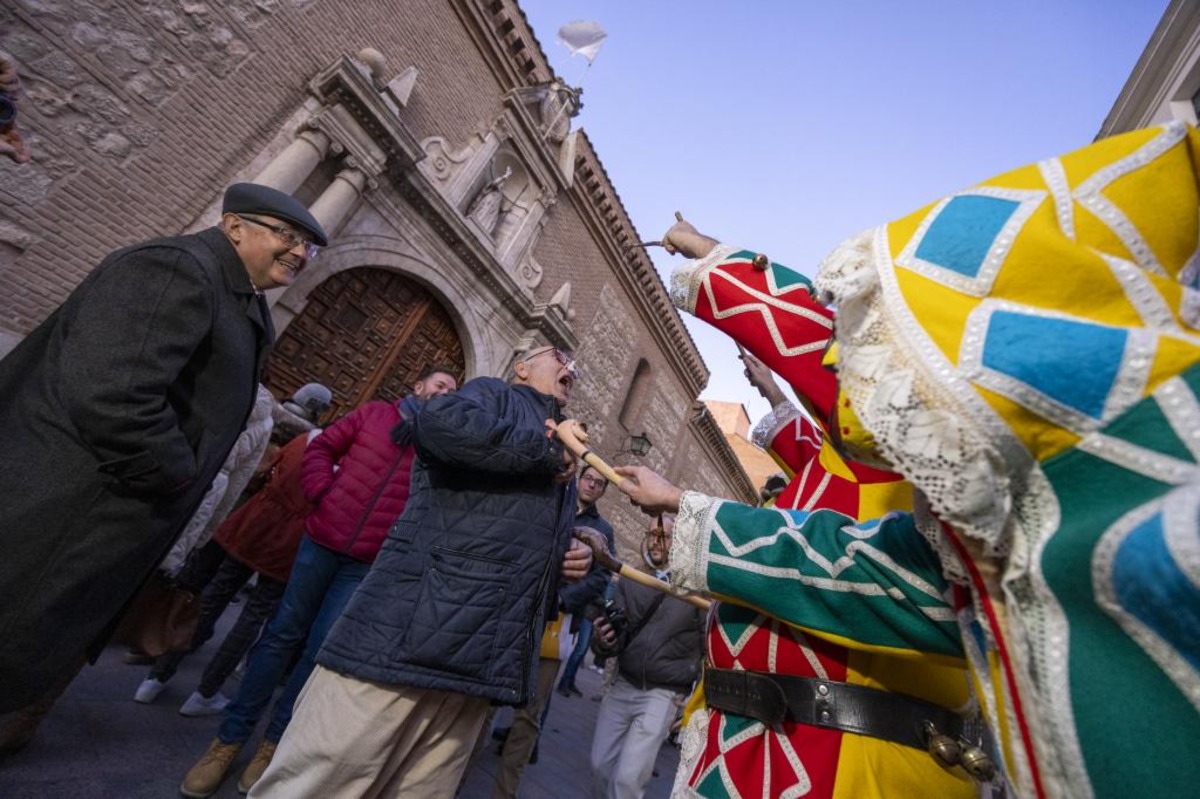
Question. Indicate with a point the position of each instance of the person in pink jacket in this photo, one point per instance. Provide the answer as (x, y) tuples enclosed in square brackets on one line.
[(357, 475)]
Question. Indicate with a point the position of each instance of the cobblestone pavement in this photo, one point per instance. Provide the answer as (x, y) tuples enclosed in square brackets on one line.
[(98, 743)]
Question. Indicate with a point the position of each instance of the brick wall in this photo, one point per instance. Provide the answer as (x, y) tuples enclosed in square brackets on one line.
[(140, 112)]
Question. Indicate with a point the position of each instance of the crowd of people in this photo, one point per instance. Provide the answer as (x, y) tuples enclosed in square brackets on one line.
[(987, 537)]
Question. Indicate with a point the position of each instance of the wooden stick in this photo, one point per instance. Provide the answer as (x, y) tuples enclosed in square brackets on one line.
[(601, 555), (574, 436)]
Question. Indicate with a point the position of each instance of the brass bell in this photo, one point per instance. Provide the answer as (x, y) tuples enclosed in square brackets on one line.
[(976, 762), (761, 262), (943, 748)]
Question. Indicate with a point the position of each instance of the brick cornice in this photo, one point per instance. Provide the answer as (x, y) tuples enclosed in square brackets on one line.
[(601, 207), (504, 37), (516, 57)]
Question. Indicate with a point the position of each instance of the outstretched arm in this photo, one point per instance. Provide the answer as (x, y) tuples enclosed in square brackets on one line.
[(874, 585)]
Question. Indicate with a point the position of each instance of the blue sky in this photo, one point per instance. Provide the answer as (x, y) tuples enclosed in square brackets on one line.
[(786, 126)]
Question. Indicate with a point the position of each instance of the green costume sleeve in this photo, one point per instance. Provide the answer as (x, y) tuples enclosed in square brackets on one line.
[(871, 585)]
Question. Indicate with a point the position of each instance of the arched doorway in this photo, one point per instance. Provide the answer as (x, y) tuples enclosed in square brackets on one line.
[(366, 333)]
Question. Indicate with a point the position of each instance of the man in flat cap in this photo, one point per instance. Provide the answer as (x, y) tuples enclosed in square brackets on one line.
[(115, 415)]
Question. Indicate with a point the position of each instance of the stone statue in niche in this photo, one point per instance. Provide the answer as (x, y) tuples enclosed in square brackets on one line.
[(485, 209), (560, 103)]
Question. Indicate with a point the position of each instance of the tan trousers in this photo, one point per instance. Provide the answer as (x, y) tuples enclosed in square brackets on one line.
[(523, 735), (353, 739)]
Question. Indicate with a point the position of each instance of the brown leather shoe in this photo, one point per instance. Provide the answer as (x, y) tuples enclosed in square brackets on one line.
[(203, 779), (258, 764)]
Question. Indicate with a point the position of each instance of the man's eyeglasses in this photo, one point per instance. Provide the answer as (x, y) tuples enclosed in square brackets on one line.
[(563, 358), (594, 480), (286, 235)]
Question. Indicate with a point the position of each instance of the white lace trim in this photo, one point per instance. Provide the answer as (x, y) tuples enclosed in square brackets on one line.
[(1090, 195), (925, 417), (691, 748), (769, 426), (689, 541), (687, 278), (1064, 207), (931, 530), (1189, 308)]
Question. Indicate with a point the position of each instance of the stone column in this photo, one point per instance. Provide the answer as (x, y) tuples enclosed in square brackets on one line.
[(336, 202), (288, 170)]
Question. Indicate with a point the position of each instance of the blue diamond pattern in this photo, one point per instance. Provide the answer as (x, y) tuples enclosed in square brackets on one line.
[(961, 236), (1073, 363), (1152, 587)]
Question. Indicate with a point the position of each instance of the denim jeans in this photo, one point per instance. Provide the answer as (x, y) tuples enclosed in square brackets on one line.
[(576, 658), (318, 589)]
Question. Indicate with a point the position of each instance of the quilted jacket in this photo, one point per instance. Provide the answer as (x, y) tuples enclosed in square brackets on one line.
[(357, 502), (457, 598)]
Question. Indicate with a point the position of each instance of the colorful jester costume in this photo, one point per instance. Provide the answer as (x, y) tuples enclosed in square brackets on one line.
[(772, 313), (1025, 352)]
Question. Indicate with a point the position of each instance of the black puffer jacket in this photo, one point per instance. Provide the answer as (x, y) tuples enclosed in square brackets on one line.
[(456, 599)]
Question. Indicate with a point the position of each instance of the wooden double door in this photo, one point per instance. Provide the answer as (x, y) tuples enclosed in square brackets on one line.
[(366, 333)]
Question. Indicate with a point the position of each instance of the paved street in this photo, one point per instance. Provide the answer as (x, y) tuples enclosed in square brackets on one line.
[(99, 744)]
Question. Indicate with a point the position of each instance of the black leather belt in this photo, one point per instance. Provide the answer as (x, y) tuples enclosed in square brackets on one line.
[(775, 698)]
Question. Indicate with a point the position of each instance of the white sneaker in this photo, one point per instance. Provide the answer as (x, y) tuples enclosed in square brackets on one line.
[(148, 691), (199, 705)]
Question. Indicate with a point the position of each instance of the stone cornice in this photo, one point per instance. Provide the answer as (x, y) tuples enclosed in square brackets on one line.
[(450, 226), (1159, 70), (347, 82), (709, 433), (602, 209)]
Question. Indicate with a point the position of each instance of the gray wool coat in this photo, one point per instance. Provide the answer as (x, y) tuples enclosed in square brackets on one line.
[(115, 415)]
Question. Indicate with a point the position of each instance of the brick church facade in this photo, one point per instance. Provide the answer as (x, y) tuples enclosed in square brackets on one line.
[(469, 218)]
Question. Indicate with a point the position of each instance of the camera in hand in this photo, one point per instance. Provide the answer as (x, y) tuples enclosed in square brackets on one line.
[(616, 617)]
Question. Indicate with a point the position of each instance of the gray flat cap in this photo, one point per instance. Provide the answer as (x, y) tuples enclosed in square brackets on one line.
[(251, 198)]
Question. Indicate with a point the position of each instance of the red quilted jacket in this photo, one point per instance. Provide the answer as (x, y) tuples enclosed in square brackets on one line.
[(357, 503)]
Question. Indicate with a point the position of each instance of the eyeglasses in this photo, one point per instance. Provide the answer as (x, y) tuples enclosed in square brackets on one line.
[(563, 358), (286, 235), (592, 479)]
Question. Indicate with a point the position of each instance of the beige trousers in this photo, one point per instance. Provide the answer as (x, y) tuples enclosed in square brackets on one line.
[(353, 739), (523, 735)]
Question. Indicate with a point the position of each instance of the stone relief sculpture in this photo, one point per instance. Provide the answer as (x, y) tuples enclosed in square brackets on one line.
[(559, 105), (487, 206)]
